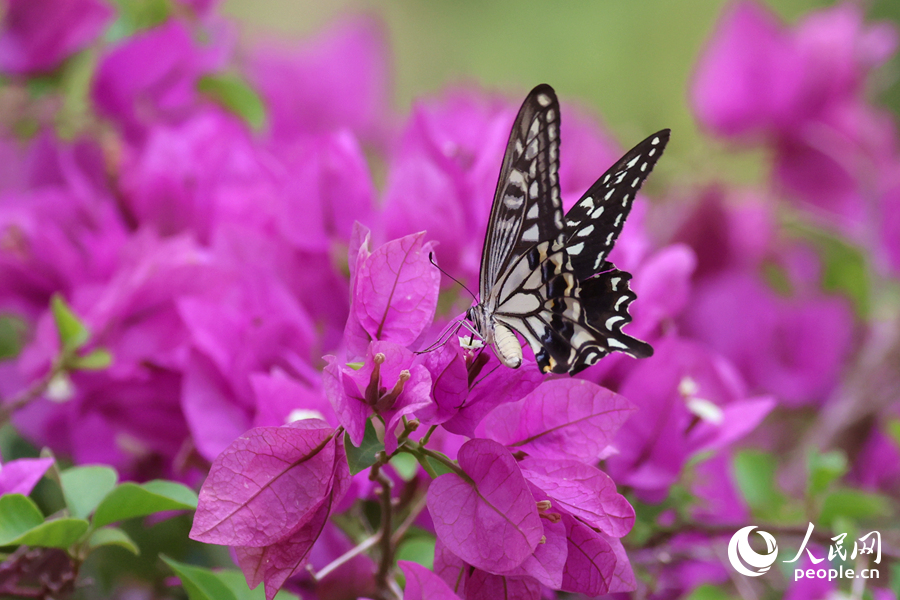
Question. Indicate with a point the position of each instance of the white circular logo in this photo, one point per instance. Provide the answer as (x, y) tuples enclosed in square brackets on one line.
[(740, 552)]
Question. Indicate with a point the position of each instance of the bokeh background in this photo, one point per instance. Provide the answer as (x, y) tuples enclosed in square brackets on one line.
[(628, 61)]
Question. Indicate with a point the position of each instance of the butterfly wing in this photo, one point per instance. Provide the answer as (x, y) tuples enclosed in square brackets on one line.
[(527, 208), (593, 224), (541, 299), (545, 276)]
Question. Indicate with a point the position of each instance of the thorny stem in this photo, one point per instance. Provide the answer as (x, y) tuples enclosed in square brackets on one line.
[(387, 538), (383, 577)]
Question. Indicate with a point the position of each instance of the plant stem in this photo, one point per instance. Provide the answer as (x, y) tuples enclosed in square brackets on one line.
[(414, 512), (35, 391), (443, 460), (347, 556), (427, 435), (383, 577)]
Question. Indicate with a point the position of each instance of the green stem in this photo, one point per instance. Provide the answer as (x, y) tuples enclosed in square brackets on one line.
[(35, 391), (427, 435)]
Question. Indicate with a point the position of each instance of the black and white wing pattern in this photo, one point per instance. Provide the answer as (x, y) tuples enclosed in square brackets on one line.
[(594, 223), (545, 276), (527, 208), (592, 226)]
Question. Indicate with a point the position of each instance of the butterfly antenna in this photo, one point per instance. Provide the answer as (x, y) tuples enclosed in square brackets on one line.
[(441, 339), (431, 260)]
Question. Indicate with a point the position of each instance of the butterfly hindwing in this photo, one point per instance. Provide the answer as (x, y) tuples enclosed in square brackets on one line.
[(542, 300), (527, 208), (595, 221), (539, 301), (606, 298)]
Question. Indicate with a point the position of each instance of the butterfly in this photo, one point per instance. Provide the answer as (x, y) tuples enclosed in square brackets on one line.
[(544, 275)]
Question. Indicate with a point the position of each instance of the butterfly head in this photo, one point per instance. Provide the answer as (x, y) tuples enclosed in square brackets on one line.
[(476, 315)]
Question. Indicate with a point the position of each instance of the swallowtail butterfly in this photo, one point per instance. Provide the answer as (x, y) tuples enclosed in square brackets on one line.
[(545, 276)]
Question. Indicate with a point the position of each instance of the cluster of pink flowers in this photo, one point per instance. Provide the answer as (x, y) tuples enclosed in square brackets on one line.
[(263, 299)]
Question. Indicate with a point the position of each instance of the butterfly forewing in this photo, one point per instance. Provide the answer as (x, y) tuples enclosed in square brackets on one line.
[(595, 221), (527, 207)]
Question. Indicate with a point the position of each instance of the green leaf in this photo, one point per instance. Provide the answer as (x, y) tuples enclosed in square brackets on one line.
[(95, 360), (12, 336), (777, 277), (76, 79), (708, 592), (893, 430), (755, 474), (200, 583), (437, 466), (406, 465), (135, 15), (895, 579), (846, 272), (364, 456), (131, 500), (645, 521), (356, 366), (18, 514), (73, 334), (238, 585), (236, 95), (58, 533), (844, 266), (42, 85), (22, 524), (84, 488), (824, 469), (112, 536), (418, 550), (854, 505)]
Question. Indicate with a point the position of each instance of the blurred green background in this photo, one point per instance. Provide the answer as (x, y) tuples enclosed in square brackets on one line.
[(629, 60)]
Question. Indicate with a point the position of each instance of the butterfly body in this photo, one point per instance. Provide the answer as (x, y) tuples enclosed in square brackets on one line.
[(545, 275)]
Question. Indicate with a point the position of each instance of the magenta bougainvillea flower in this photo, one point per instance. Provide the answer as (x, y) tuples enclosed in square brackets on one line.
[(564, 419), (423, 584), (802, 89), (736, 312), (390, 384), (344, 75), (692, 400), (37, 35), (152, 77), (301, 466), (20, 476), (489, 519)]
